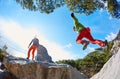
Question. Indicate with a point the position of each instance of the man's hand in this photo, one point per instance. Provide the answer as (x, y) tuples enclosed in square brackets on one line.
[(72, 14)]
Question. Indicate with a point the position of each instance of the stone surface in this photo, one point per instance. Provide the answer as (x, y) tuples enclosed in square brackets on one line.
[(41, 70), (111, 70)]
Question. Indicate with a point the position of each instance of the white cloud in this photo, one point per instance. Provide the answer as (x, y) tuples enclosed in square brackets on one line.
[(22, 37), (68, 45), (91, 49), (111, 36)]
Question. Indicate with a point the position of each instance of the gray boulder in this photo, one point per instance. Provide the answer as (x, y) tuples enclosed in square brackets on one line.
[(42, 54)]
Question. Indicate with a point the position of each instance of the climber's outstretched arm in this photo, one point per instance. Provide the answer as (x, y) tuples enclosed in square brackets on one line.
[(78, 26), (29, 44), (75, 19)]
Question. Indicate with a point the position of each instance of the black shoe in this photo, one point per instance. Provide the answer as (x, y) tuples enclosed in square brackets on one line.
[(85, 45), (27, 58), (106, 45), (72, 14)]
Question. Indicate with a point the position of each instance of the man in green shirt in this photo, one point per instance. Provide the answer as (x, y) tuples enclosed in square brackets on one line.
[(84, 32)]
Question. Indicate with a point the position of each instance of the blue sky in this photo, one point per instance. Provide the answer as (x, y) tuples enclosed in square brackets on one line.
[(18, 26)]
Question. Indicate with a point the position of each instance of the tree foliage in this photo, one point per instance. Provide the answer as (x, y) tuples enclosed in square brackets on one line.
[(77, 6), (3, 54), (44, 6), (3, 51)]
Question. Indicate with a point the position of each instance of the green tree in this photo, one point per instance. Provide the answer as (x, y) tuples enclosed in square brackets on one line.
[(70, 62), (5, 48), (77, 6), (3, 54)]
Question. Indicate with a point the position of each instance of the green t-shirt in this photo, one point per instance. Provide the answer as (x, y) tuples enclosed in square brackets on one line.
[(78, 26)]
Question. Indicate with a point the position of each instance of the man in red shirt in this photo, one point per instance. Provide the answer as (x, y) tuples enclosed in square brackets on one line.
[(84, 32)]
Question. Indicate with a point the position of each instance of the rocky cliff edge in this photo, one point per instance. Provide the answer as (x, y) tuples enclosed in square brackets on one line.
[(20, 69)]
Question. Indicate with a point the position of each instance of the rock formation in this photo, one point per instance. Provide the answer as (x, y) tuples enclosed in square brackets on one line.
[(6, 75), (40, 70), (116, 45), (42, 54), (111, 69)]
